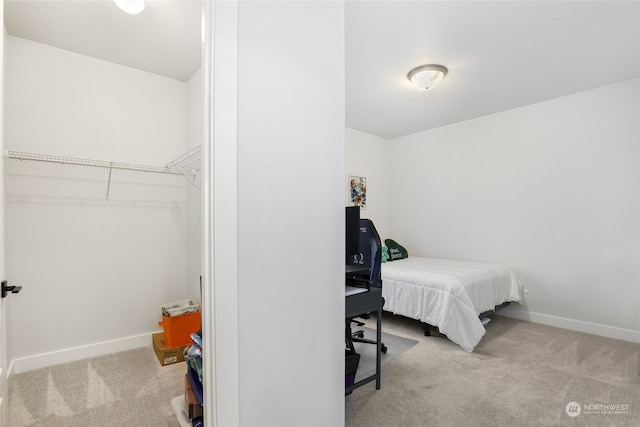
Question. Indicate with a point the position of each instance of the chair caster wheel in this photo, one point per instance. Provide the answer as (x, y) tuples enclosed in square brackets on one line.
[(383, 348)]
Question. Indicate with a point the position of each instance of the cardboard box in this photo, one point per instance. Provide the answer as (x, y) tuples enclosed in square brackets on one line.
[(193, 407), (167, 355)]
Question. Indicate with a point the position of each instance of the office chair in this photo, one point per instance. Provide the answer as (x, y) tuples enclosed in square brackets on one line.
[(369, 254)]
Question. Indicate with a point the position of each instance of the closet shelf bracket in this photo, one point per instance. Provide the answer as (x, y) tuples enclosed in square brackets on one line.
[(188, 164)]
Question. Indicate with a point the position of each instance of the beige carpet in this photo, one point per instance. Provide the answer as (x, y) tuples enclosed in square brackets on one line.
[(124, 389), (521, 374)]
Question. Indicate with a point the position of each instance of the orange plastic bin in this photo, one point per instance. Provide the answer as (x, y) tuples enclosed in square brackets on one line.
[(177, 329)]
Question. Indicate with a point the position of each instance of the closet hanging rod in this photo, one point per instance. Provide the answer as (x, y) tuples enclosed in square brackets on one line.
[(19, 155)]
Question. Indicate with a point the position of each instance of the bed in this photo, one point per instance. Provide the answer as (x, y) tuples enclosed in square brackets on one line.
[(448, 294)]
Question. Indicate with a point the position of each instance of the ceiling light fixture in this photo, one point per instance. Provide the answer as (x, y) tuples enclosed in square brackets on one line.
[(427, 77), (132, 7)]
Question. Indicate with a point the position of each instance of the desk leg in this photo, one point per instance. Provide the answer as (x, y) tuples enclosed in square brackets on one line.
[(348, 334), (378, 347)]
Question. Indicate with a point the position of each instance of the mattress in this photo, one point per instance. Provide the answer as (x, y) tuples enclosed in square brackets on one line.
[(448, 294)]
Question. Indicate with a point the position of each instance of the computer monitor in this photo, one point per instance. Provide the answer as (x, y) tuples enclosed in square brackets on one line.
[(352, 232)]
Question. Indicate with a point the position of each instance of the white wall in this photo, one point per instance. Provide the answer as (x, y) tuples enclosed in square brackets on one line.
[(287, 299), (368, 155), (551, 189), (93, 270)]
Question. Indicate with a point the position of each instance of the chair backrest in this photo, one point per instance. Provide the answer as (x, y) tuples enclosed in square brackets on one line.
[(369, 253)]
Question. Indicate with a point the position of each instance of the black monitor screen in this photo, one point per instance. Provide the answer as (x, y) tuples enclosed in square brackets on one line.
[(352, 228)]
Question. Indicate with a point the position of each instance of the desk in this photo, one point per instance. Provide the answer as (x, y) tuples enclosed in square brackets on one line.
[(362, 303), (357, 275), (355, 268)]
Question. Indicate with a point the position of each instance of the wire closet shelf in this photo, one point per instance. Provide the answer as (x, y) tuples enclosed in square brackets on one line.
[(182, 165), (38, 157)]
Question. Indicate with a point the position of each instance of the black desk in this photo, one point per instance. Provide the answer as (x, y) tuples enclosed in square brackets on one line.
[(362, 303), (355, 268), (357, 275)]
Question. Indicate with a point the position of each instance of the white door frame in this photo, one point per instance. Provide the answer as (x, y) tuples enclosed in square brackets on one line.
[(208, 319), (4, 404), (219, 214)]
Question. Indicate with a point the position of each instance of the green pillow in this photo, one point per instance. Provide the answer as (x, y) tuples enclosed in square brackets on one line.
[(396, 250)]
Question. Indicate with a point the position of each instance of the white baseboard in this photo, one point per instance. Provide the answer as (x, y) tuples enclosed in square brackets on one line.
[(44, 360), (574, 325)]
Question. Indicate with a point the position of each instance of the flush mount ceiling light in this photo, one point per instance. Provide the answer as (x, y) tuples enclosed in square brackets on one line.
[(427, 77), (132, 7)]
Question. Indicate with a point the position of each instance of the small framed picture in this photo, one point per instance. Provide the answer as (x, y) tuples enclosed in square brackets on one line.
[(358, 191)]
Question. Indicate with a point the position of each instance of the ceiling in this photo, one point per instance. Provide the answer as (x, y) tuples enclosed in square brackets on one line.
[(164, 39), (500, 54)]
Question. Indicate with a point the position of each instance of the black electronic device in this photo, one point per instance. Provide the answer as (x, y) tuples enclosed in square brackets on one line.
[(352, 232)]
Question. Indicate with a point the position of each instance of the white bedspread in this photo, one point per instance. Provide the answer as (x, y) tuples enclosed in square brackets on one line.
[(448, 294)]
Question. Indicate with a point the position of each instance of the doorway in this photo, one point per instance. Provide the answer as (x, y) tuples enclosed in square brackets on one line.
[(98, 250)]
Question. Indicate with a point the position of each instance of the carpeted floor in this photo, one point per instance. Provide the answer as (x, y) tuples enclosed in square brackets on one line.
[(521, 374), (129, 388)]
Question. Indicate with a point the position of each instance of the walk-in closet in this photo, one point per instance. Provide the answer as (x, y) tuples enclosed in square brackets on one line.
[(101, 163)]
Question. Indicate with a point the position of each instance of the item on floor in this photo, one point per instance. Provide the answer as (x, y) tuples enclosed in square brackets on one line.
[(193, 354), (197, 338), (179, 307), (191, 406), (180, 409), (166, 354), (193, 357), (196, 384), (194, 409), (179, 321), (350, 368)]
